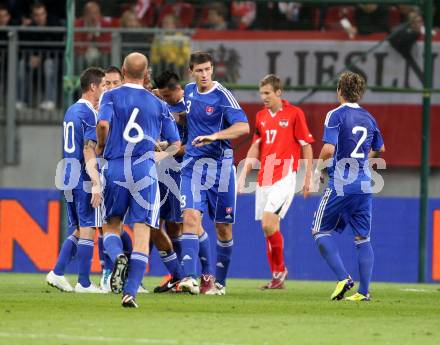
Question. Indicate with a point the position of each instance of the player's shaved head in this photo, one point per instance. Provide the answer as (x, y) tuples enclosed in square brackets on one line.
[(135, 66)]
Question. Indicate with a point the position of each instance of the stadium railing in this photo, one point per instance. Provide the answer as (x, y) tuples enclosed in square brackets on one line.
[(31, 72)]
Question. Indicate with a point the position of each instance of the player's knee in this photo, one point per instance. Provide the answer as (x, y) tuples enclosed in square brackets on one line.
[(224, 231), (191, 222)]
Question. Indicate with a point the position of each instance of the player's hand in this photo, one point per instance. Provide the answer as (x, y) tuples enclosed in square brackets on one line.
[(96, 196), (307, 190), (240, 184), (203, 140)]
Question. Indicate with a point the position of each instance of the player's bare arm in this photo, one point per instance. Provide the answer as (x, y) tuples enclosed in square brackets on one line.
[(102, 129), (172, 149), (92, 170), (252, 156), (327, 152), (236, 130), (307, 153), (376, 154)]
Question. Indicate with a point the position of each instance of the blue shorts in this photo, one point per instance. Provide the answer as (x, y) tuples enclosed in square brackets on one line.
[(79, 210), (208, 185), (131, 193), (335, 213), (170, 198)]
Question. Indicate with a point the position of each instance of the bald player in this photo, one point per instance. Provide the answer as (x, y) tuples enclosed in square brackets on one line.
[(128, 120)]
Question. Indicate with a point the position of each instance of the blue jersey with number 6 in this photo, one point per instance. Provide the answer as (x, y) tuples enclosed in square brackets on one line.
[(354, 132), (137, 119)]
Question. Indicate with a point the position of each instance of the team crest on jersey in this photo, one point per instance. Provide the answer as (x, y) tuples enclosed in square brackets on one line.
[(209, 110), (284, 123), (228, 210)]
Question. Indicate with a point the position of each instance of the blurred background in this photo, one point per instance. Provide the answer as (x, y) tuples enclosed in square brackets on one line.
[(395, 45)]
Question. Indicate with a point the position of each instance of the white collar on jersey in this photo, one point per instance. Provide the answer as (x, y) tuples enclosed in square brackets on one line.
[(351, 105), (275, 113), (134, 86), (85, 101), (209, 91)]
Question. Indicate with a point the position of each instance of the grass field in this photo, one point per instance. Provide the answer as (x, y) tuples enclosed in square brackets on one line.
[(33, 313)]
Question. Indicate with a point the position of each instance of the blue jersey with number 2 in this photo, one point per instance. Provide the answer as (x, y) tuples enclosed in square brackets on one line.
[(354, 132)]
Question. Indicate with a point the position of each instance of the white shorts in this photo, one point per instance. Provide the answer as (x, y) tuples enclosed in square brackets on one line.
[(276, 198)]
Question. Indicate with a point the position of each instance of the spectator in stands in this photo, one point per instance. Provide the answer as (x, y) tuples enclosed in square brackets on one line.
[(269, 17), (41, 56), (169, 22), (216, 19), (298, 16), (97, 44), (405, 36), (129, 20), (370, 18), (5, 20), (243, 14)]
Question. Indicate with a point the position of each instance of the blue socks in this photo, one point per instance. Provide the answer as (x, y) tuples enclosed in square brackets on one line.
[(172, 264), (113, 246), (67, 252), (330, 252), (190, 251), (136, 269), (101, 251), (366, 261), (85, 256), (177, 246), (127, 244), (224, 252), (205, 253)]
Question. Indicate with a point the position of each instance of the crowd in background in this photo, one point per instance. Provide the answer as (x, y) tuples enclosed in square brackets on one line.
[(240, 15), (170, 50)]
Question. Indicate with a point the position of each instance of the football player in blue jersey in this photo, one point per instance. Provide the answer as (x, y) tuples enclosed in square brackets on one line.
[(169, 89), (129, 122), (214, 117), (81, 184), (351, 137)]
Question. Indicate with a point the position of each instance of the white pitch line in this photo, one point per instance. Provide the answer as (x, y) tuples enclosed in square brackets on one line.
[(108, 339)]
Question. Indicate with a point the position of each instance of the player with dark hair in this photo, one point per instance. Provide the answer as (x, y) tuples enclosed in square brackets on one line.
[(130, 118), (281, 134), (351, 137), (113, 77), (214, 117), (169, 89), (83, 190)]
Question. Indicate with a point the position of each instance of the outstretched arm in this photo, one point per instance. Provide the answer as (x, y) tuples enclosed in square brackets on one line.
[(236, 130)]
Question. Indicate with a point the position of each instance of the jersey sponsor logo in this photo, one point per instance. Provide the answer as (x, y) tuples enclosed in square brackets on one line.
[(209, 110), (263, 123), (284, 123), (191, 95)]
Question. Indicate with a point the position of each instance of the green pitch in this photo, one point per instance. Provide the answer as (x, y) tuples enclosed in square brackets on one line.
[(33, 313)]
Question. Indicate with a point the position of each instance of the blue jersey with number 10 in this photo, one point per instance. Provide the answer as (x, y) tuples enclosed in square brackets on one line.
[(137, 119), (354, 132), (79, 126), (210, 112)]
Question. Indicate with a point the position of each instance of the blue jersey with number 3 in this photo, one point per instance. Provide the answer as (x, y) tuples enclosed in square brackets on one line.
[(207, 113), (354, 132), (137, 120)]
